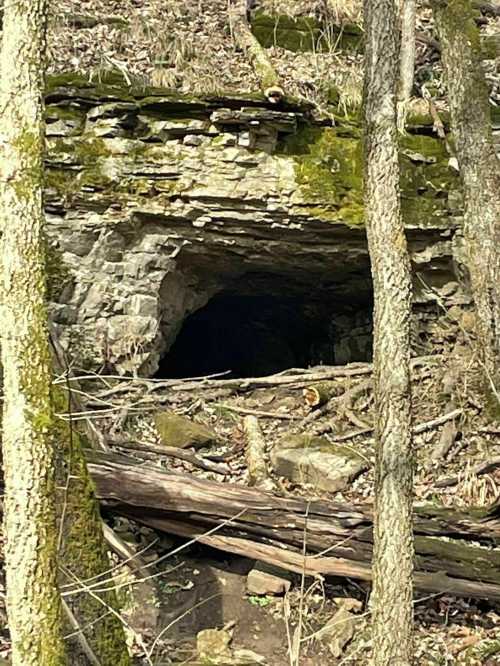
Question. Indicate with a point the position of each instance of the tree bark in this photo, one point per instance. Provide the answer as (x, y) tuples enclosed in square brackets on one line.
[(33, 602), (393, 537), (83, 554), (406, 60), (479, 170)]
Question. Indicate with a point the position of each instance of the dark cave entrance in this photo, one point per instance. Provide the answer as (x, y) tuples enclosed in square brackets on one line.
[(263, 324)]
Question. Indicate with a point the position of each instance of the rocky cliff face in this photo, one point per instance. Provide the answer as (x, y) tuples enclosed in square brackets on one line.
[(240, 219)]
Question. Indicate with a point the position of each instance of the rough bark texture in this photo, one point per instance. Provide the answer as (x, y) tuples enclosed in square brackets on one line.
[(393, 547), (406, 59), (33, 601), (479, 170), (83, 553), (83, 556)]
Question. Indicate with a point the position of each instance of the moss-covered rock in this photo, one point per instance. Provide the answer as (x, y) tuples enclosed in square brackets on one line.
[(303, 33), (329, 172), (181, 432)]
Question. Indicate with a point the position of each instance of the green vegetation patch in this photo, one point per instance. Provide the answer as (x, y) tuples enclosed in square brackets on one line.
[(303, 33), (328, 169), (426, 181), (329, 172)]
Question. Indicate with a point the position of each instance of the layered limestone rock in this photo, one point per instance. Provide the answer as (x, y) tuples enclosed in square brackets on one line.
[(157, 203)]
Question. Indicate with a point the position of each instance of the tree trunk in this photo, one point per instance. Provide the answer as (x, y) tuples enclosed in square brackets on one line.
[(393, 538), (33, 602), (479, 170), (83, 552), (406, 60)]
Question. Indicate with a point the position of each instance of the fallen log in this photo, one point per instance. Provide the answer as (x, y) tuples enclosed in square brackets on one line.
[(456, 551)]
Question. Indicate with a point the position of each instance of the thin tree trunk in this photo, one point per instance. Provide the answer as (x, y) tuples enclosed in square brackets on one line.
[(479, 170), (33, 602), (406, 60), (393, 540)]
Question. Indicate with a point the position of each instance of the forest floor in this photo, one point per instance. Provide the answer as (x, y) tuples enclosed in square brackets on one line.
[(200, 588), (187, 45)]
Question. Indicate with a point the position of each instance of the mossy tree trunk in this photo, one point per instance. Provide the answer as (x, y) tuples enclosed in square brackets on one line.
[(42, 456), (479, 170), (83, 556), (33, 602), (393, 537)]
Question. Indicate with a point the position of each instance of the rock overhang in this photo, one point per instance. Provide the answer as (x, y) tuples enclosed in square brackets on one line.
[(157, 202)]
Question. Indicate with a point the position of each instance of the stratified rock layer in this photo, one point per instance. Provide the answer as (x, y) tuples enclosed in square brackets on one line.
[(158, 203)]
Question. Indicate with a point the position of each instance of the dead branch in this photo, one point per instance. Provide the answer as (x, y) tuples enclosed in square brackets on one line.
[(249, 44), (448, 436), (258, 412), (173, 452), (255, 453), (481, 468), (429, 425)]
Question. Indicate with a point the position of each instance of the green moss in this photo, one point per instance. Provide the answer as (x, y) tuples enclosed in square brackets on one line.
[(328, 169), (83, 553), (303, 33), (88, 154), (485, 650), (85, 150), (426, 181), (64, 112), (28, 146), (179, 431), (103, 83), (482, 563), (67, 79), (61, 181)]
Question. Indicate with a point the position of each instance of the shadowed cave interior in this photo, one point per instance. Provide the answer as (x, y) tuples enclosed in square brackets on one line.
[(262, 324)]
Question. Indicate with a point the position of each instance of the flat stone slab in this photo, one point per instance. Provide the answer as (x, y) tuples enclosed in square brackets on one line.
[(306, 459)]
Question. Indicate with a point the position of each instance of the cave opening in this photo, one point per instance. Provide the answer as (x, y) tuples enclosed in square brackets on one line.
[(263, 324)]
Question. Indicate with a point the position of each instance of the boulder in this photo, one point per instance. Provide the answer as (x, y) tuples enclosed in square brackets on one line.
[(341, 627), (181, 432), (316, 461)]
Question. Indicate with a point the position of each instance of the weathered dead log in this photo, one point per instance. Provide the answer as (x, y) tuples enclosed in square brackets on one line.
[(256, 54), (271, 528), (255, 453), (318, 395)]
